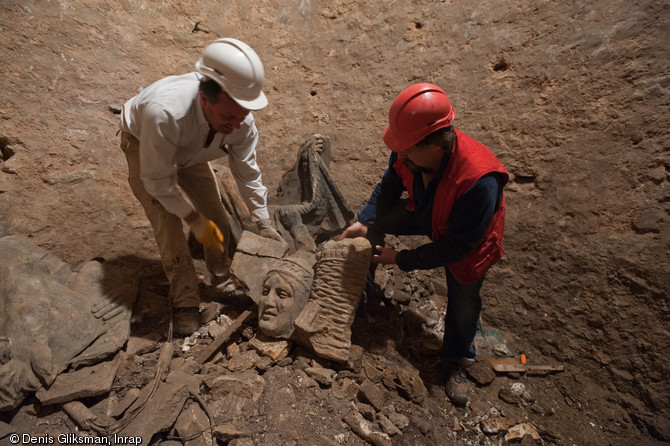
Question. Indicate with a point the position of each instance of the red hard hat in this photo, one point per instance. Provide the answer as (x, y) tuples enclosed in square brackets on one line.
[(416, 113)]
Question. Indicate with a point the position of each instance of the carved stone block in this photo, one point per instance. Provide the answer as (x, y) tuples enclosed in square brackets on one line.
[(325, 323), (254, 257)]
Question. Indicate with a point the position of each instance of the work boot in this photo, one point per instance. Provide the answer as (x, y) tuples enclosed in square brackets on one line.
[(186, 321), (457, 382), (228, 286)]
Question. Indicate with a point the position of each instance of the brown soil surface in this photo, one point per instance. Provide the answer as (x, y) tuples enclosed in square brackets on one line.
[(571, 96)]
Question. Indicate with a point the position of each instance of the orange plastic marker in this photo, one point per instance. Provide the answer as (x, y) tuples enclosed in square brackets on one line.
[(523, 358)]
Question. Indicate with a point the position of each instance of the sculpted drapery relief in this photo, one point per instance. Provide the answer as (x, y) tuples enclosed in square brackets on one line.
[(52, 319)]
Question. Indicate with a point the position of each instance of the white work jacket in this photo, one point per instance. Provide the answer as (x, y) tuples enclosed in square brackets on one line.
[(167, 119)]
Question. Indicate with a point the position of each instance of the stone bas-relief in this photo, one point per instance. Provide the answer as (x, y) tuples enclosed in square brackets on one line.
[(285, 293), (51, 319), (313, 299), (324, 325), (310, 203)]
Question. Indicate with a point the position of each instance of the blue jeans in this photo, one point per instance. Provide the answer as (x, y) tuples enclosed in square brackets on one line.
[(464, 303)]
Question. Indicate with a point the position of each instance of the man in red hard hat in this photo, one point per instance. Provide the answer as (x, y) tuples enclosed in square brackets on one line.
[(455, 196)]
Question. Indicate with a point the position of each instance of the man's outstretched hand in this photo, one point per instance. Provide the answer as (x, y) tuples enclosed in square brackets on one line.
[(357, 229), (386, 256)]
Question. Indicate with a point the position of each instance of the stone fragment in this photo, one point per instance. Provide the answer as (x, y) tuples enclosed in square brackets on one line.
[(117, 409), (367, 430), (192, 421), (661, 425), (242, 441), (285, 362), (325, 323), (320, 362), (182, 376), (492, 426), (82, 383), (232, 350), (5, 429), (374, 366), (508, 396), (253, 258), (139, 346), (368, 412), (538, 409), (305, 380), (243, 361), (411, 384), (398, 419), (301, 363), (422, 423), (649, 220), (229, 393), (370, 393), (322, 375), (214, 330), (481, 373), (248, 332), (479, 407), (519, 431), (355, 360), (518, 389), (228, 432), (187, 365), (263, 364), (388, 427), (658, 174), (210, 369), (346, 389), (272, 348)]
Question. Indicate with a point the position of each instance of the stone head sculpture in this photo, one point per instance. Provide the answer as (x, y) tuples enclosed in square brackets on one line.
[(285, 293)]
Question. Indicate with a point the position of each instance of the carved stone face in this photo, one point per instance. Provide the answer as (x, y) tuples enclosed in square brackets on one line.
[(285, 293), (277, 307)]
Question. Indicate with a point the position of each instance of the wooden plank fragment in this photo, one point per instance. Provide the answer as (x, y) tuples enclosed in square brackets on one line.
[(509, 365), (223, 337)]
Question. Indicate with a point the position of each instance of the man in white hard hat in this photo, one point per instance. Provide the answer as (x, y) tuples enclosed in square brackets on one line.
[(169, 133)]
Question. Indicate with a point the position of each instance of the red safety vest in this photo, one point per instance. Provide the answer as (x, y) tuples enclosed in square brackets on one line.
[(470, 160)]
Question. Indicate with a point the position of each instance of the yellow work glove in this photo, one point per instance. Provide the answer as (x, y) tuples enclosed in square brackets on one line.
[(206, 232)]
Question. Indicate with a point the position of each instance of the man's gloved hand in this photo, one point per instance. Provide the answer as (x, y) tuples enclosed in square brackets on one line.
[(266, 230), (206, 232)]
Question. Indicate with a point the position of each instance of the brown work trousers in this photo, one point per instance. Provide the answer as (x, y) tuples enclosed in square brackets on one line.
[(201, 187)]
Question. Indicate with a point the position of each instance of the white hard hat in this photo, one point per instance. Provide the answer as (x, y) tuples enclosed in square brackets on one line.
[(237, 69)]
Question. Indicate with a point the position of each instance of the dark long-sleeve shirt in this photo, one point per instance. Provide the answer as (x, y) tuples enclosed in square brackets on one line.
[(468, 221)]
